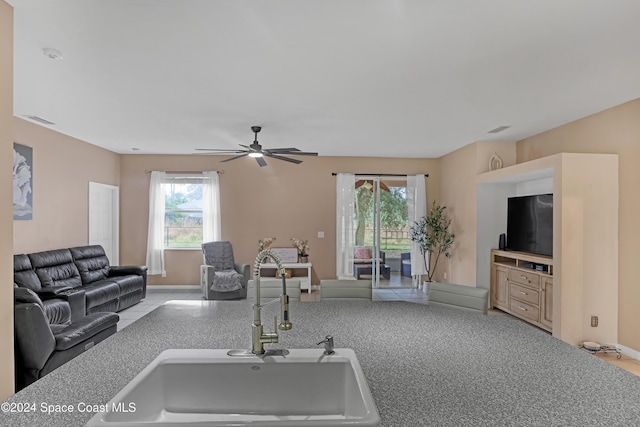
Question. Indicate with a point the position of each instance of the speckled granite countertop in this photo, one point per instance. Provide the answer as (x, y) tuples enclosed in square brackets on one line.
[(424, 365)]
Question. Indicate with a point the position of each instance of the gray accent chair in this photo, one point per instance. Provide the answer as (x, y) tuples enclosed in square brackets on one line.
[(221, 278)]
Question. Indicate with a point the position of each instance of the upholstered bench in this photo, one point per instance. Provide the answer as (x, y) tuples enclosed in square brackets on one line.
[(345, 289), (271, 288), (466, 298)]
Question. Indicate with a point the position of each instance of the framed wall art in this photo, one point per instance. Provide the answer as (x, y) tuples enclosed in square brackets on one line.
[(22, 182)]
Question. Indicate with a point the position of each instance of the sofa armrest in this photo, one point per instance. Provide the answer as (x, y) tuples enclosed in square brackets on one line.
[(34, 340), (49, 292), (125, 270), (245, 270), (77, 302)]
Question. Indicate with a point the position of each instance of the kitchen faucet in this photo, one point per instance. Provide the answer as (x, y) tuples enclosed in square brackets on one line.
[(259, 337)]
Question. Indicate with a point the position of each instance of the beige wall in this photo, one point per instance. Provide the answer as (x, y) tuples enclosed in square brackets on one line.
[(62, 169), (6, 209), (458, 193), (616, 130), (282, 200)]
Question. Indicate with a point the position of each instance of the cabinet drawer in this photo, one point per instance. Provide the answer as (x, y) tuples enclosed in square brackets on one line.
[(524, 278), (525, 294), (525, 310)]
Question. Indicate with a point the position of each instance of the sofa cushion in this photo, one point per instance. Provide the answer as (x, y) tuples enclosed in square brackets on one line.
[(84, 329), (100, 292), (92, 263), (56, 268), (23, 273), (363, 252), (128, 284)]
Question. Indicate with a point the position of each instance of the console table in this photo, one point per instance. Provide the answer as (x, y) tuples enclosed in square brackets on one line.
[(305, 281)]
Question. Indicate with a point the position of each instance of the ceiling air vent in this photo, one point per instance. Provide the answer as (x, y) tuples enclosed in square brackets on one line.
[(40, 120), (499, 129)]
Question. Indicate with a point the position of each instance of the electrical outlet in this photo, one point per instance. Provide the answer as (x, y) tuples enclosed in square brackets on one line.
[(445, 275), (594, 321)]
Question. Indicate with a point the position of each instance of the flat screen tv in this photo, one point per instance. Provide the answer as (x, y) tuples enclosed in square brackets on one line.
[(530, 224)]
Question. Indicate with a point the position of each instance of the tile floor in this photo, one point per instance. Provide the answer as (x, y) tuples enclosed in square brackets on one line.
[(156, 297)]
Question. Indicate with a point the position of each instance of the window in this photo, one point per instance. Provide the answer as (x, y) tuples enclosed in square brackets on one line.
[(182, 214)]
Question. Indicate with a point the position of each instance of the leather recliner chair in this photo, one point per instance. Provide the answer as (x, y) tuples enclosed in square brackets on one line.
[(50, 333)]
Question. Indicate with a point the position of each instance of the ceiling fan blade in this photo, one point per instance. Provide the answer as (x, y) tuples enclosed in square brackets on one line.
[(261, 161), (220, 150), (286, 159), (233, 158), (280, 150), (290, 151), (300, 153)]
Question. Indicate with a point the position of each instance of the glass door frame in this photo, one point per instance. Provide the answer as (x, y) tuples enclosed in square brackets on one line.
[(375, 250)]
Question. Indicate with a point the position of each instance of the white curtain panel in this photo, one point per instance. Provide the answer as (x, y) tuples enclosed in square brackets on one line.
[(345, 212), (210, 207), (417, 206), (155, 245)]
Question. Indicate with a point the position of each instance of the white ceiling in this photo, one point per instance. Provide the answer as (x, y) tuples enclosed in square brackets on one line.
[(393, 78)]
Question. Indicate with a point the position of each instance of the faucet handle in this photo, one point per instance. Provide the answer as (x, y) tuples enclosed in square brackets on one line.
[(328, 345)]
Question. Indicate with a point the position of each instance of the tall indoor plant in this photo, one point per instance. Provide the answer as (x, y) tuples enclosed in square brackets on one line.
[(432, 234)]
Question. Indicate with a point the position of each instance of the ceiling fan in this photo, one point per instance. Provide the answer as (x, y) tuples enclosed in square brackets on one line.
[(256, 151)]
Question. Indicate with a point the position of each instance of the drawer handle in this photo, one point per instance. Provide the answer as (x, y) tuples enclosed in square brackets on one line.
[(522, 308), (523, 293), (523, 277)]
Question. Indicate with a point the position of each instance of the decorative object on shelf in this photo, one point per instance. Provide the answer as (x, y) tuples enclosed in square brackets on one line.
[(432, 234), (303, 249), (22, 182), (495, 162), (265, 243), (286, 255)]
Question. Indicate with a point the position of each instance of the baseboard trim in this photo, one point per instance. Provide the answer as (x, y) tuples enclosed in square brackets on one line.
[(634, 354), (173, 287)]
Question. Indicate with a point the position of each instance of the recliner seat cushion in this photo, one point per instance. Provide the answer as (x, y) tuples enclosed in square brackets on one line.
[(56, 268), (84, 329), (128, 284), (100, 292)]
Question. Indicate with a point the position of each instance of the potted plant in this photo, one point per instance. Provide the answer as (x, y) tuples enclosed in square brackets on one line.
[(432, 234), (303, 249)]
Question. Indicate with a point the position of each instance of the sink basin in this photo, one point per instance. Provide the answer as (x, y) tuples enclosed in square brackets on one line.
[(211, 388)]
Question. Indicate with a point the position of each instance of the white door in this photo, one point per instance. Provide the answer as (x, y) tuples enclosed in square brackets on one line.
[(103, 218)]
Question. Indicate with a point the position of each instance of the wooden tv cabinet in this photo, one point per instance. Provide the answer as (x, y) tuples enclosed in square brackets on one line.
[(522, 285)]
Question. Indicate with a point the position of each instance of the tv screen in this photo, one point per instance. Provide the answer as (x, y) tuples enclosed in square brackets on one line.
[(530, 224)]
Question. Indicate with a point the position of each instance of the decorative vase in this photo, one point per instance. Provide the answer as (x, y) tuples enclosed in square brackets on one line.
[(304, 259)]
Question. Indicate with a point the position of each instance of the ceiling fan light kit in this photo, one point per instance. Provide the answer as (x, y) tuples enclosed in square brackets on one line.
[(256, 151)]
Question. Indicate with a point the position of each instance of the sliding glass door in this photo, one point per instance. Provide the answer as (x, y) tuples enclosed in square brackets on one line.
[(381, 230)]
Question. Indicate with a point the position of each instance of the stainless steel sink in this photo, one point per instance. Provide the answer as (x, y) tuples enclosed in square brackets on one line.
[(209, 387)]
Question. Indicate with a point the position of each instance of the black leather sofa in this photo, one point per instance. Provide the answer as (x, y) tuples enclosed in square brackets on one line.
[(106, 287), (64, 303), (50, 333)]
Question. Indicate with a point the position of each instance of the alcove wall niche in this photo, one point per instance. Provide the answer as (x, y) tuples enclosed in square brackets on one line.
[(585, 237)]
